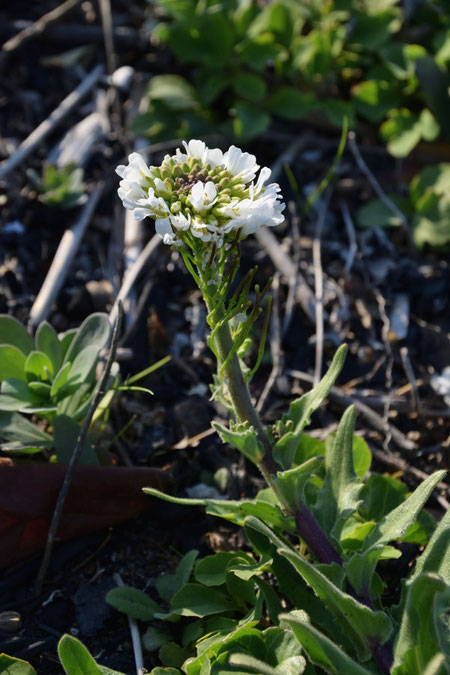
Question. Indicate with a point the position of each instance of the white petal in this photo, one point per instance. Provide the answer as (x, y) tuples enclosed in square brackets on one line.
[(213, 156), (210, 191), (180, 222), (195, 148), (240, 163), (136, 159), (163, 226), (140, 213), (161, 186), (197, 196), (264, 175)]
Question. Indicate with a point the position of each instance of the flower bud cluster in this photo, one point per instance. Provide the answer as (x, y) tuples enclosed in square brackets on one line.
[(201, 193)]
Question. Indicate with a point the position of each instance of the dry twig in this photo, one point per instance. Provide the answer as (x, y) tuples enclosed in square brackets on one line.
[(37, 136), (406, 361), (382, 196), (275, 345), (60, 266), (350, 228), (135, 636), (133, 273), (318, 287), (99, 393), (39, 26)]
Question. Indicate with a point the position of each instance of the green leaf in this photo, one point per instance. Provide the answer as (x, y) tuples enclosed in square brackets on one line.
[(257, 52), (171, 654), (295, 667), (174, 90), (75, 658), (320, 649), (338, 112), (133, 602), (66, 340), (400, 59), (154, 638), (436, 556), (381, 494), (198, 600), (308, 447), (391, 527), (430, 193), (290, 103), (374, 98), (417, 641), (432, 179), (12, 363), (41, 389), (60, 379), (362, 456), (300, 411), (249, 120), (365, 625), (9, 665), (434, 84), (16, 395), (244, 438), (373, 30), (205, 38), (212, 570), (436, 665), (250, 86), (15, 427), (13, 333), (375, 213), (47, 341), (234, 511), (93, 332), (65, 433), (83, 366), (38, 366), (340, 495), (291, 483), (403, 130), (168, 584)]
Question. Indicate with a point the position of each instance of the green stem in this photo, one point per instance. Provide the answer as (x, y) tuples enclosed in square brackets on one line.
[(239, 393)]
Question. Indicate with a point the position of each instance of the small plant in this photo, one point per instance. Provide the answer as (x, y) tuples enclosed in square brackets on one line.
[(318, 531), (60, 187), (51, 378), (244, 62), (427, 206)]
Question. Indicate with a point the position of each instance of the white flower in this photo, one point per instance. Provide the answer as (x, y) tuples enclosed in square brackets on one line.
[(240, 164), (201, 194), (180, 222), (164, 229)]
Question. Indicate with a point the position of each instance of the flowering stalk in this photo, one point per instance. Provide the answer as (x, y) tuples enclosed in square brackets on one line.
[(204, 202)]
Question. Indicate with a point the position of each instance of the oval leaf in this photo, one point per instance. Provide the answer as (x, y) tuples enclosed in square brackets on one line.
[(75, 658), (133, 602), (13, 333), (93, 332), (47, 341), (12, 363)]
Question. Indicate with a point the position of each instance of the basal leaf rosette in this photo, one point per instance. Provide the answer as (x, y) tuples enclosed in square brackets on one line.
[(201, 194)]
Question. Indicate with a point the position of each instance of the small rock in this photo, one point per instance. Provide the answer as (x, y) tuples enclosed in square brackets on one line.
[(10, 621)]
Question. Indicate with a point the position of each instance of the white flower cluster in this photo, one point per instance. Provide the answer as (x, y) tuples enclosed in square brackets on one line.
[(202, 193)]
